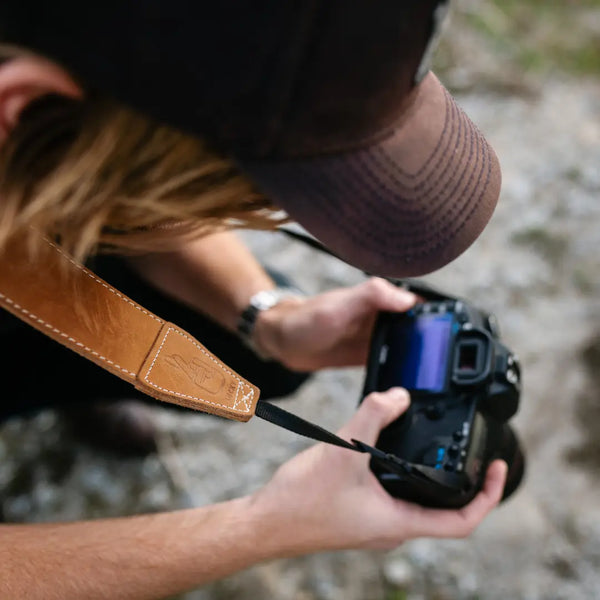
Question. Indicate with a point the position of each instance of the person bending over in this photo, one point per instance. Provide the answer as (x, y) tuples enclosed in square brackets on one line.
[(157, 129)]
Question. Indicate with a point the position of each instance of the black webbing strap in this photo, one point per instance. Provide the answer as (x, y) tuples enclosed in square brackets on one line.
[(295, 424), (419, 288)]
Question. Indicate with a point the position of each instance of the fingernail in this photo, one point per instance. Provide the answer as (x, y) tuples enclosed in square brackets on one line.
[(405, 296), (399, 395), (505, 468)]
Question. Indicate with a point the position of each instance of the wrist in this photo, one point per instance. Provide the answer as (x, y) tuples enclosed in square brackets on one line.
[(259, 325), (270, 331)]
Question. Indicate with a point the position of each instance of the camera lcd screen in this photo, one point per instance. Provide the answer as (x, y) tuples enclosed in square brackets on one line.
[(417, 356)]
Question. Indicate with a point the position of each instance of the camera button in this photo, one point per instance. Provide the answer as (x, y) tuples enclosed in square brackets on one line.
[(453, 450), (435, 411)]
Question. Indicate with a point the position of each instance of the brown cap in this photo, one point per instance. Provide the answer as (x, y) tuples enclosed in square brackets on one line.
[(327, 104), (403, 206)]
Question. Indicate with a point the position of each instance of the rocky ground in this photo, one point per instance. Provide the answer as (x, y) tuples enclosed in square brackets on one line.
[(537, 266)]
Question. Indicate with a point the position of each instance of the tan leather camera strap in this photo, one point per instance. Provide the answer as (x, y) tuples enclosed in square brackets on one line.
[(69, 303)]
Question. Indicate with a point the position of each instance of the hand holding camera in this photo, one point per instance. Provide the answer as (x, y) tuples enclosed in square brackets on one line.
[(463, 381), (331, 500)]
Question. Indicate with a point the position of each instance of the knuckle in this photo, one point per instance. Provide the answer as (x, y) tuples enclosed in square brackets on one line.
[(465, 530), (376, 286)]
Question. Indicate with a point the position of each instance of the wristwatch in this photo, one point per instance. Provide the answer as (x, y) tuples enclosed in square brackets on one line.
[(261, 301)]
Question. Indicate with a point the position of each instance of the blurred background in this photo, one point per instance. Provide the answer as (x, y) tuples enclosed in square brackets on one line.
[(528, 73)]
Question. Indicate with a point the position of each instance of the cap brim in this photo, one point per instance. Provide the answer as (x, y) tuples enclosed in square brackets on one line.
[(404, 206)]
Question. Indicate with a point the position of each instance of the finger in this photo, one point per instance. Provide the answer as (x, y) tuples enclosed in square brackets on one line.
[(377, 410), (490, 495), (460, 523), (383, 295)]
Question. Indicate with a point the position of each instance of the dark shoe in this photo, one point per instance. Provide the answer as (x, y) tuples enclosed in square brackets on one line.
[(126, 427)]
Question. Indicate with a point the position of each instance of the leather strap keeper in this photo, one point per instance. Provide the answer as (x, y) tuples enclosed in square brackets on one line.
[(69, 303)]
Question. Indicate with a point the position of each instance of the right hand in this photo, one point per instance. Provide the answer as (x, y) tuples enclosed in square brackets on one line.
[(331, 329), (327, 498)]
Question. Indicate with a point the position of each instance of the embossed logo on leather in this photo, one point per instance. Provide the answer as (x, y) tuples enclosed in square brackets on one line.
[(200, 372)]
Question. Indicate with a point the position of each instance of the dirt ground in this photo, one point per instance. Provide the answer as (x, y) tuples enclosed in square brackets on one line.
[(537, 266)]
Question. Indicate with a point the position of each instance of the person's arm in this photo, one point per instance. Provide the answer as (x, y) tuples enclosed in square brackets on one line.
[(217, 275), (322, 499), (141, 557)]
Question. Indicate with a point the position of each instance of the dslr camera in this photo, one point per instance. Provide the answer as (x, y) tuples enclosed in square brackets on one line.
[(464, 385)]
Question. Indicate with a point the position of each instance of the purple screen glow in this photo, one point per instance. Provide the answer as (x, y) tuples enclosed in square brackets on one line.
[(418, 353)]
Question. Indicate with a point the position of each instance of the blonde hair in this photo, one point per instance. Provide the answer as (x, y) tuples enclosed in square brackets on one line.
[(94, 173)]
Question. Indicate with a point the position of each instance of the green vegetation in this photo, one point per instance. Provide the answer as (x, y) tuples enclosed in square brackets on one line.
[(396, 594), (538, 35), (550, 245)]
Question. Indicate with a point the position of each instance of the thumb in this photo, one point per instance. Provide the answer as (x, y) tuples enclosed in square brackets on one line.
[(377, 410), (383, 295)]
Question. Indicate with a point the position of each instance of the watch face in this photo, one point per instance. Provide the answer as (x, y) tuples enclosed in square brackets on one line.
[(269, 298), (264, 300)]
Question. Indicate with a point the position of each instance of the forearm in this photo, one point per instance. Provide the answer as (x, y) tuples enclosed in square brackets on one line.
[(215, 275), (150, 556)]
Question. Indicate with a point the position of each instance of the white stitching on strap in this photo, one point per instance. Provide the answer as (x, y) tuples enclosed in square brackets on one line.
[(34, 317), (246, 399)]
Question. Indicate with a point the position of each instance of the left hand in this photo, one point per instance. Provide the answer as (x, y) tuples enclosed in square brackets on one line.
[(332, 329), (327, 498)]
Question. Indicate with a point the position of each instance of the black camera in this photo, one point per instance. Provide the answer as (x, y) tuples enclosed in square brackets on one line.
[(464, 385)]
